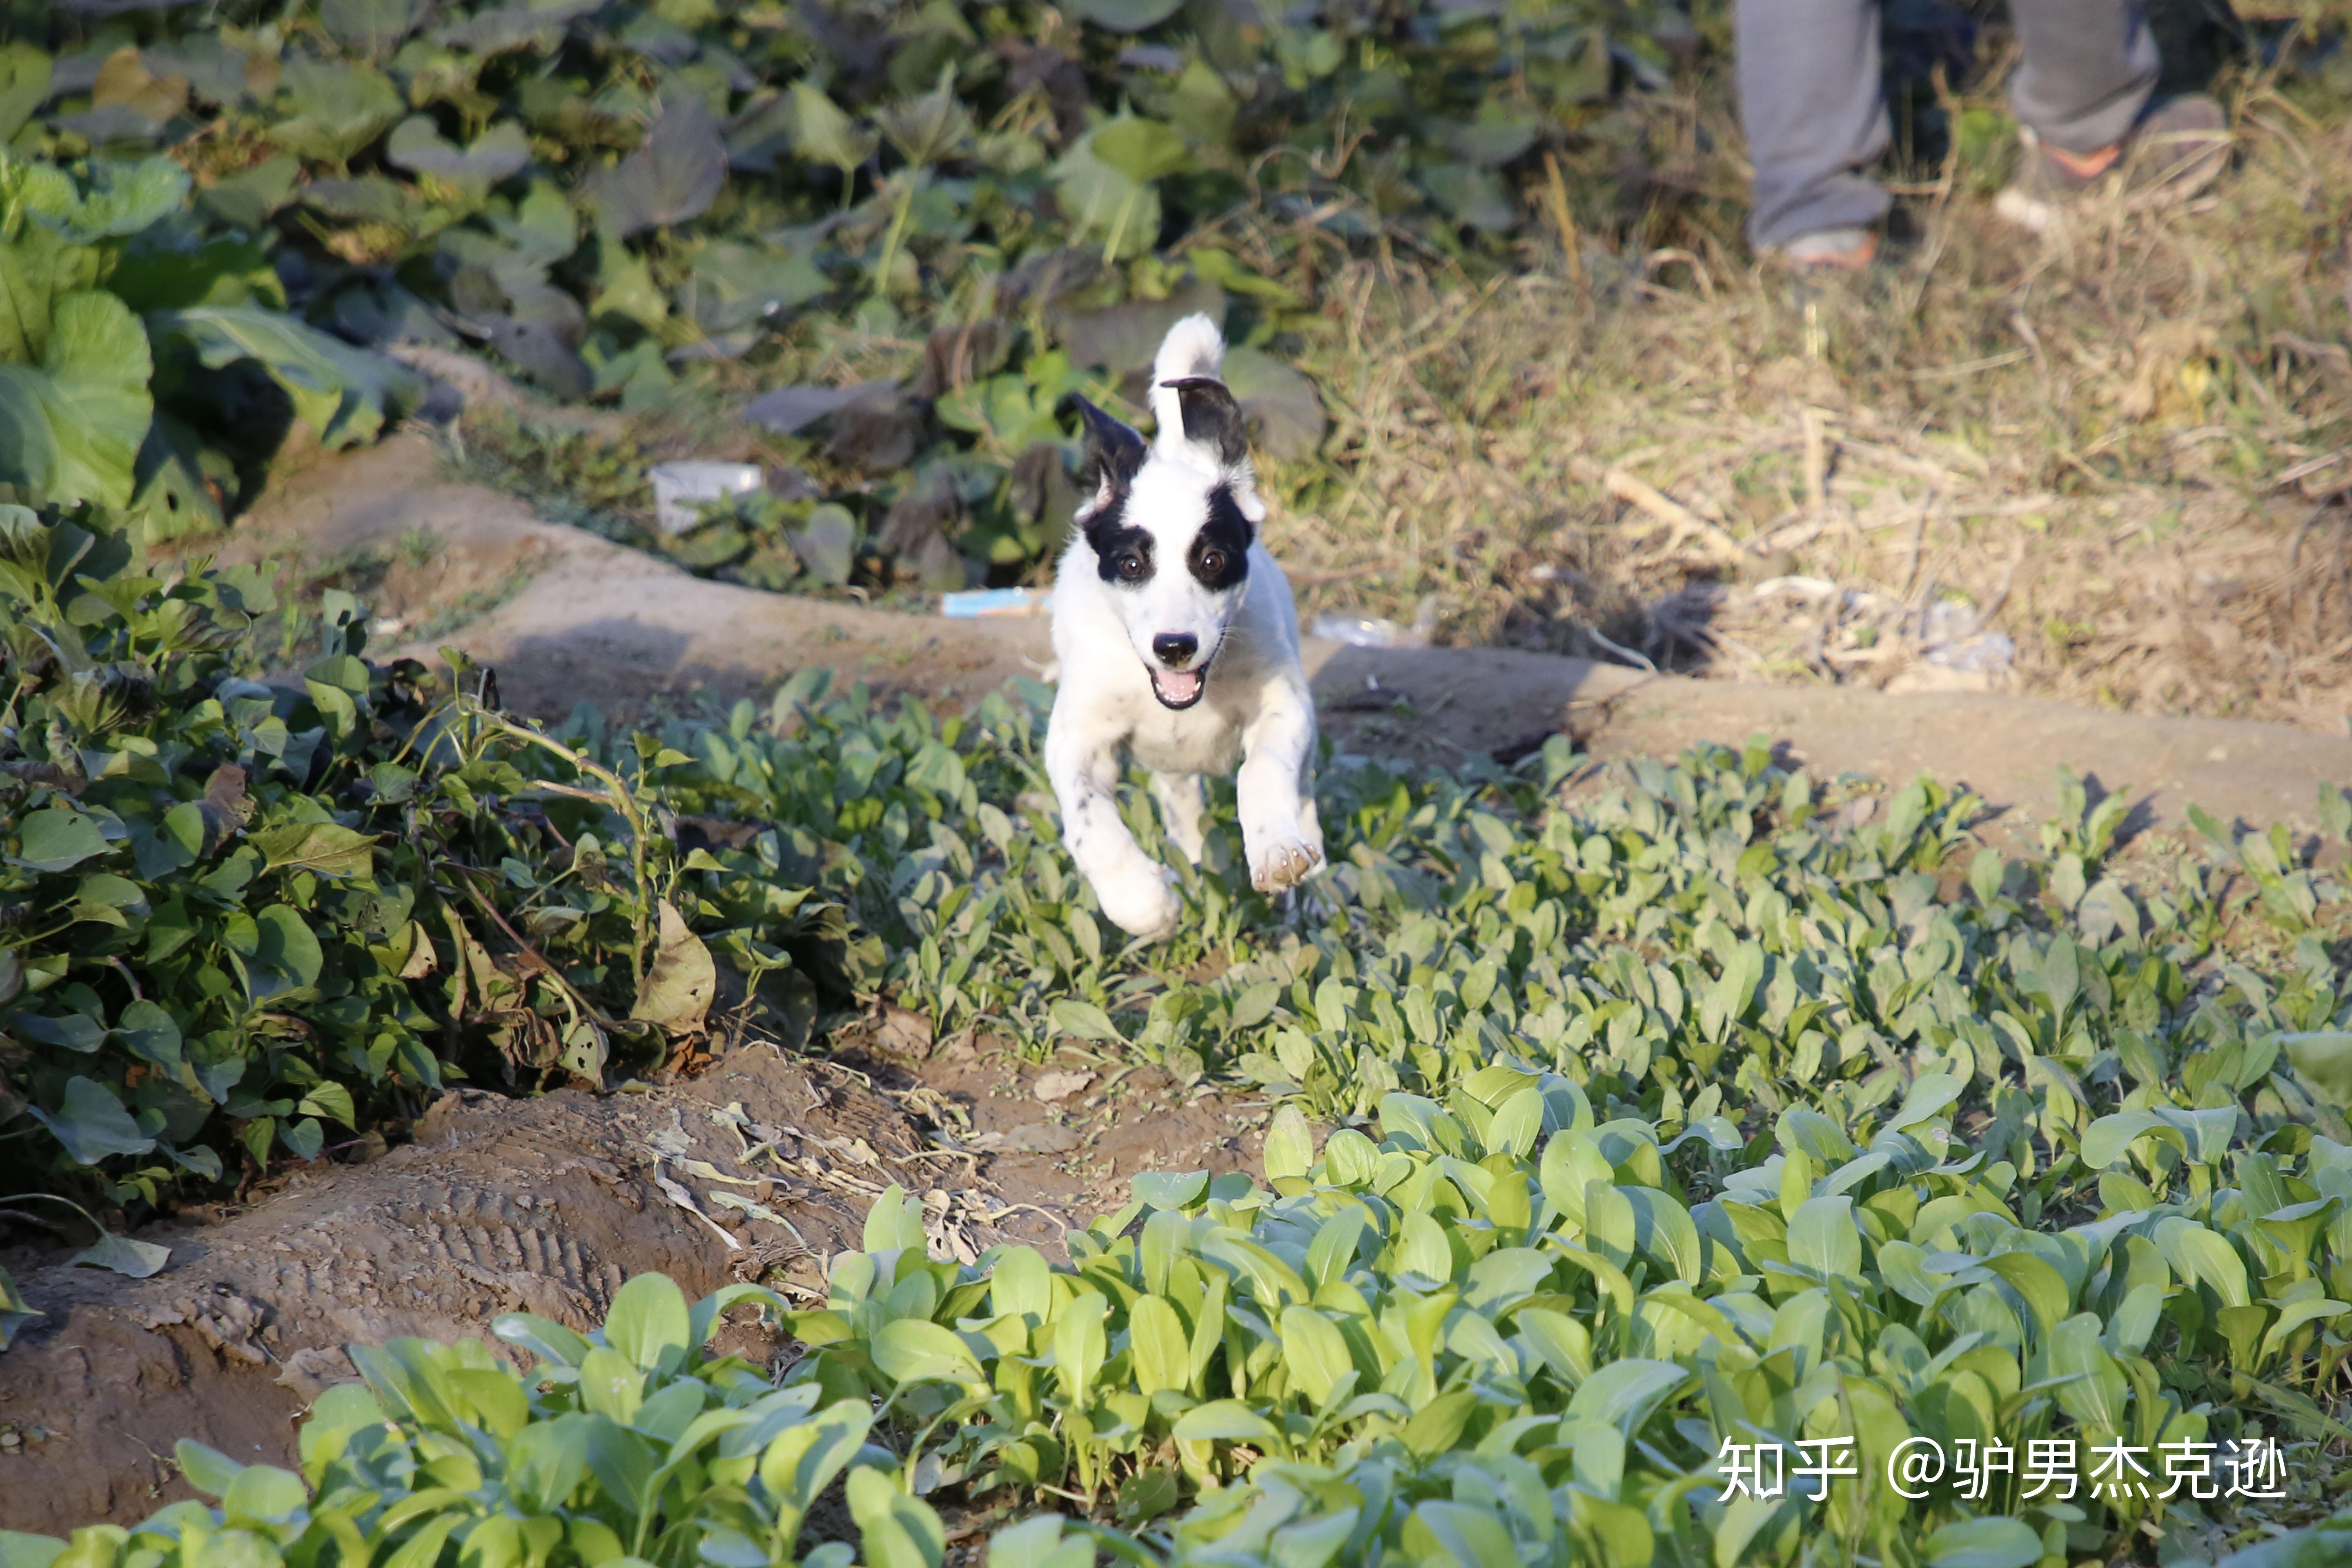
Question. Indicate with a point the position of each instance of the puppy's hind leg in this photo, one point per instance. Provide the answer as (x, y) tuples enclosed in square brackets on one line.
[(1182, 803), (1133, 888)]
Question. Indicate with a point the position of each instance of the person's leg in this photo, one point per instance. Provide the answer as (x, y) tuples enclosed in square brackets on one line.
[(1809, 97), (2088, 71), (2082, 96)]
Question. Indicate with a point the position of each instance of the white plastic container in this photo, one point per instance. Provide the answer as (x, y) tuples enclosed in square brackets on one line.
[(679, 487)]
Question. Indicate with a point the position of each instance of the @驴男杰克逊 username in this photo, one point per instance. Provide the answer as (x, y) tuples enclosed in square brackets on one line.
[(2040, 1470)]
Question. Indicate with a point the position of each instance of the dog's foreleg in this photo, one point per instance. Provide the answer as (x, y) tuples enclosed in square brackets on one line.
[(1134, 890), (1183, 803), (1279, 831)]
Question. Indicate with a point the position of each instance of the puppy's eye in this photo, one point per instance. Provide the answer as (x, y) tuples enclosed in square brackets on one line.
[(1131, 567), (1212, 562)]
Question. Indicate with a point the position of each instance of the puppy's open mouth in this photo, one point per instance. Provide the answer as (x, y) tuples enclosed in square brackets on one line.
[(1178, 688)]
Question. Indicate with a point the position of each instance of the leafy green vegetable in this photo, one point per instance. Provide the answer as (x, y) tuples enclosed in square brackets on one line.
[(259, 909), (70, 429)]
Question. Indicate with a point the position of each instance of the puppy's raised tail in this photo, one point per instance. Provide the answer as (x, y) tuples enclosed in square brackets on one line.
[(1194, 347)]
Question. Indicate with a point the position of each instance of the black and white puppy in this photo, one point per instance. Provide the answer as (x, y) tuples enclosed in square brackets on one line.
[(1178, 639)]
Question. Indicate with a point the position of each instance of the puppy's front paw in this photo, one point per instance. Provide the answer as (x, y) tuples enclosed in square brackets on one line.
[(1284, 863), (1142, 905)]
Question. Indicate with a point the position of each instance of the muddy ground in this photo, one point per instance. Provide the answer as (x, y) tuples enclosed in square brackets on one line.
[(546, 1204)]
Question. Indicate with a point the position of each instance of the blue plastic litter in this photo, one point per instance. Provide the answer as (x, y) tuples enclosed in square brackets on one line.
[(978, 602)]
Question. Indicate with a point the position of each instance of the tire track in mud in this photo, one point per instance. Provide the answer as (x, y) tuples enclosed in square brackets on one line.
[(541, 1205)]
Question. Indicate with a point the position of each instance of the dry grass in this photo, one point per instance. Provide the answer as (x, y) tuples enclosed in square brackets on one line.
[(2124, 448)]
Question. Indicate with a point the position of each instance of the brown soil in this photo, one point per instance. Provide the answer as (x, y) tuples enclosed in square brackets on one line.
[(546, 1204)]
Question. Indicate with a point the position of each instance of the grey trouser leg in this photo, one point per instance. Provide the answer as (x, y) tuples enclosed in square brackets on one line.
[(2088, 69), (1809, 95)]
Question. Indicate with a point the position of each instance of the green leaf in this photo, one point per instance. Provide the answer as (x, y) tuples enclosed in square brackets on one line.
[(1127, 15), (2198, 1253), (15, 1313), (56, 839), (547, 1461), (92, 1124), (1289, 1145), (1225, 1420), (927, 129), (1163, 1351), (1080, 1343), (803, 1461), (331, 1100), (2110, 1138), (822, 131), (897, 1530), (1171, 1189), (1084, 1020), (338, 109), (895, 1223), (370, 27), (124, 199), (1314, 1352), (1623, 1392), (1142, 150), (24, 86), (70, 430), (2322, 1059), (912, 1349), (207, 1469), (1996, 1542), (1098, 199), (263, 1495), (285, 955), (1931, 1093), (674, 173), (123, 1256), (1822, 1238), (502, 151), (649, 1323), (71, 1032), (347, 395), (739, 286), (325, 849)]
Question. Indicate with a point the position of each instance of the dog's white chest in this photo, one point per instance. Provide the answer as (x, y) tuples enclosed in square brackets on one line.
[(1203, 740)]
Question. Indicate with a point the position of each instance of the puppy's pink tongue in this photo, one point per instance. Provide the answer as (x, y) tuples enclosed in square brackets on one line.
[(1178, 685)]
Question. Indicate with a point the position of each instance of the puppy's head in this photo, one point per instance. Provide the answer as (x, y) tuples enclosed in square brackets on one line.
[(1170, 523)]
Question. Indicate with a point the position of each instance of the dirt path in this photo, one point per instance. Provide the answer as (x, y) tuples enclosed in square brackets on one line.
[(566, 616)]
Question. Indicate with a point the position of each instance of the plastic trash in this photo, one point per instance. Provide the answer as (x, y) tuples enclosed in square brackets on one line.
[(680, 488), (1955, 640), (1987, 653), (1372, 631), (977, 603), (1358, 631)]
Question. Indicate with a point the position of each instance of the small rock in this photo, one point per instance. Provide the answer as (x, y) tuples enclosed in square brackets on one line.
[(903, 1033), (1040, 1137), (1059, 1086)]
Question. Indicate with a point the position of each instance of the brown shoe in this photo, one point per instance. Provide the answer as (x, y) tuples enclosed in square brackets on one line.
[(2178, 149)]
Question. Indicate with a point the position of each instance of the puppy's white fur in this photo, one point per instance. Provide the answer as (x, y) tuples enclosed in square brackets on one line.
[(1189, 665)]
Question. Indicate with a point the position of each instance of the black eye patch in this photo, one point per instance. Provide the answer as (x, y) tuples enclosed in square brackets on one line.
[(1220, 555), (1122, 554)]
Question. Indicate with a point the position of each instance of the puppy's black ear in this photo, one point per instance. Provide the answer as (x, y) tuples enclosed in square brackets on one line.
[(1212, 418), (1114, 450)]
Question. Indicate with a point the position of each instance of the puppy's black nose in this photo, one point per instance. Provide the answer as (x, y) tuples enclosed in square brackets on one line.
[(1174, 649)]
